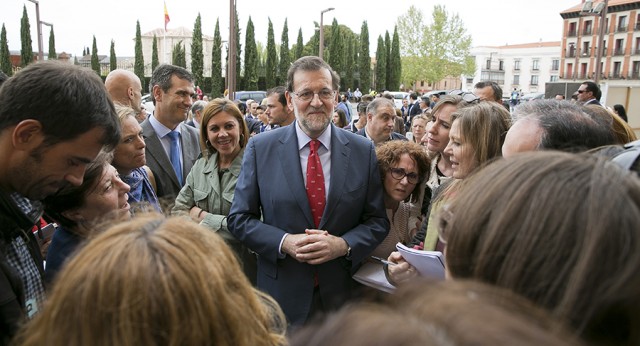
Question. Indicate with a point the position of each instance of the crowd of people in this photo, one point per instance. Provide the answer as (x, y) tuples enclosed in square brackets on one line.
[(242, 223)]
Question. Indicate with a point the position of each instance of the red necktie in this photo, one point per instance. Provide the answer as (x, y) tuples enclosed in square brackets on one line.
[(315, 182)]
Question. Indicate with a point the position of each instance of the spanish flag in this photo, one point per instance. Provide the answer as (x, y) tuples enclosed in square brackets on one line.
[(166, 16)]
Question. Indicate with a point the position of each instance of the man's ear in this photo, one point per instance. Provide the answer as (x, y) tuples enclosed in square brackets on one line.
[(130, 93), (157, 93), (27, 135), (287, 95)]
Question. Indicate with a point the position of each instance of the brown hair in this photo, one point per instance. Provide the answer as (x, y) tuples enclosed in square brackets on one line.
[(388, 154), (155, 281), (621, 131), (560, 229), (213, 108)]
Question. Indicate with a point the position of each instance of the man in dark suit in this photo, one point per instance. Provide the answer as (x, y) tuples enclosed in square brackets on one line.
[(309, 199), (381, 119), (589, 93), (172, 89)]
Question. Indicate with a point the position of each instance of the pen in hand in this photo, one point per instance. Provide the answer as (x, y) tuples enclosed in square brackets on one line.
[(383, 261)]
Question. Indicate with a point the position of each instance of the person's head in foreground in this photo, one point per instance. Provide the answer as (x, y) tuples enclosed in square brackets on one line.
[(560, 229), (441, 313), (155, 281)]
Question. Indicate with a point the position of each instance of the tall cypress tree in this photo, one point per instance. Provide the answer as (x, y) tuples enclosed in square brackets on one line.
[(387, 54), (5, 56), (250, 58), (52, 46), (113, 63), (396, 62), (154, 53), (216, 63), (272, 58), (348, 59), (26, 54), (299, 46), (178, 55), (381, 64), (239, 83), (336, 49), (285, 57), (197, 57), (365, 59), (355, 63), (138, 65), (95, 61)]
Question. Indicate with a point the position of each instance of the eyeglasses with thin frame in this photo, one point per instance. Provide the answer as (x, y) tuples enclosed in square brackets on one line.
[(307, 95), (467, 97), (399, 173)]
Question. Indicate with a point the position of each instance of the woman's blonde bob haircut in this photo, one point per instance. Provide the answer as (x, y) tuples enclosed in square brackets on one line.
[(155, 281)]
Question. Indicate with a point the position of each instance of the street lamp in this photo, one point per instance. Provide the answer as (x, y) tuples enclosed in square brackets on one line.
[(601, 11), (322, 31), (231, 57), (40, 54)]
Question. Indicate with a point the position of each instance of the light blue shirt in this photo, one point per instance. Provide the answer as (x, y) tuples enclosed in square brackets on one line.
[(162, 132)]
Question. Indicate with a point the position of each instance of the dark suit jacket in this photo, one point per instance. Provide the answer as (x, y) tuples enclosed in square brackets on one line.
[(592, 102), (394, 135), (159, 163), (271, 185)]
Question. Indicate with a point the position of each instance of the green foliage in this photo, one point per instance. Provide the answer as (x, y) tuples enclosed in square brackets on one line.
[(285, 56), (272, 58), (355, 63), (311, 48), (250, 58), (387, 47), (435, 50), (178, 55), (113, 63), (52, 46), (381, 65), (365, 59), (155, 61), (336, 49), (197, 56), (239, 83), (138, 64), (347, 80), (95, 61), (5, 56), (26, 54), (299, 46), (217, 85), (393, 80)]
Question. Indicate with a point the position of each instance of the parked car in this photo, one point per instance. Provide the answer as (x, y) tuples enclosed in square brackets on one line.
[(398, 96), (531, 97), (147, 102), (250, 95)]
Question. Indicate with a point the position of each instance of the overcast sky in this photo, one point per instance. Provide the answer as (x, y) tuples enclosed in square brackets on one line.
[(490, 22)]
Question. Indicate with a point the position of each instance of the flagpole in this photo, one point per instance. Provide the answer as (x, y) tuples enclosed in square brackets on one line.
[(166, 21)]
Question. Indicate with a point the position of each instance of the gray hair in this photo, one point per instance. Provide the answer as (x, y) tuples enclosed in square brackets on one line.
[(198, 106), (377, 103)]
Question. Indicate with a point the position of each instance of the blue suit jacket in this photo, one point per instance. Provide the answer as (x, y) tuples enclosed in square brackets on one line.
[(271, 185)]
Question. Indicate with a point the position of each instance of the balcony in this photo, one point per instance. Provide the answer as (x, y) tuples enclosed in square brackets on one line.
[(637, 28), (635, 75), (618, 51), (571, 53), (615, 75), (572, 33), (586, 31), (621, 28), (636, 51)]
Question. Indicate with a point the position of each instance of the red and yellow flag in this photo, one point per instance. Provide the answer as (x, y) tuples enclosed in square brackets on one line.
[(166, 16)]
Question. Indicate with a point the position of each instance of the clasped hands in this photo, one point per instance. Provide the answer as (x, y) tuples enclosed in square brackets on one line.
[(314, 246)]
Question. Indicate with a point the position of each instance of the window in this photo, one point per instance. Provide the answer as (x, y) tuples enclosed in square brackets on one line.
[(469, 80), (535, 64), (488, 64), (619, 48), (553, 79), (616, 69), (585, 49), (516, 65), (501, 65), (622, 23), (516, 79), (636, 69), (534, 80), (555, 64), (587, 27)]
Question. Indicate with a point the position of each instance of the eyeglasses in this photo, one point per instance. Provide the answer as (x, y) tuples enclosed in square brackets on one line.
[(582, 91), (399, 173), (467, 97), (306, 96), (444, 219)]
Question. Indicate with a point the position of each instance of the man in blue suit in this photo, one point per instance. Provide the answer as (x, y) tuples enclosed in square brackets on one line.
[(306, 255)]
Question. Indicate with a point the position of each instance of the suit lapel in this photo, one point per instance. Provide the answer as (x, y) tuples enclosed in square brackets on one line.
[(290, 160), (340, 153), (156, 150)]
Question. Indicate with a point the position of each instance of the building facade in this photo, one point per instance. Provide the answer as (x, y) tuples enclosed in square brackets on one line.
[(167, 41), (526, 67)]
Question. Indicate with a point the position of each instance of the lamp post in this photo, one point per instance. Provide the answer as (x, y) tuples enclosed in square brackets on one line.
[(38, 26), (321, 50), (231, 57), (603, 16)]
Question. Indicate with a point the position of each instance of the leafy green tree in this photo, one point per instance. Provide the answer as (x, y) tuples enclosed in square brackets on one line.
[(387, 47), (216, 63), (178, 55), (26, 54), (311, 48), (197, 56), (299, 46), (354, 66), (433, 51), (155, 61), (113, 63), (381, 65), (272, 58), (365, 59), (52, 46), (347, 81), (393, 80), (95, 61), (138, 62), (336, 49), (5, 56), (285, 56), (250, 58)]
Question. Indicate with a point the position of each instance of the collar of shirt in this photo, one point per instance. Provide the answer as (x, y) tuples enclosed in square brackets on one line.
[(160, 129), (366, 134), (304, 139)]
